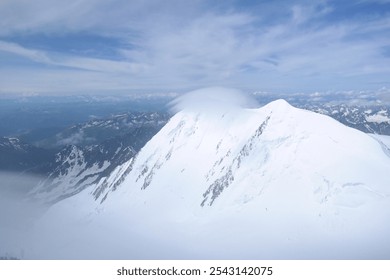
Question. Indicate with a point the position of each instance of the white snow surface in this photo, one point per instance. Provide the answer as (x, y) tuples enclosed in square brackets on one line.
[(269, 183), (385, 139)]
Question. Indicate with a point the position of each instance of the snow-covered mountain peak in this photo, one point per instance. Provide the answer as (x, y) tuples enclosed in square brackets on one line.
[(271, 182), (279, 103), (235, 156)]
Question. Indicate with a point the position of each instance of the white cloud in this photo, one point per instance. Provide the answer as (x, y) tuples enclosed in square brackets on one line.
[(17, 212), (84, 63), (34, 55), (107, 16), (187, 45), (213, 100)]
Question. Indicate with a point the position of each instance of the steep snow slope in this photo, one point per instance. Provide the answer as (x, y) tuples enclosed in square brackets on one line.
[(384, 140), (244, 151), (273, 182)]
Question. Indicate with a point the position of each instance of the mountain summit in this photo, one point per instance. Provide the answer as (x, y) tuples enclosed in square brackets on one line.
[(233, 157), (272, 182)]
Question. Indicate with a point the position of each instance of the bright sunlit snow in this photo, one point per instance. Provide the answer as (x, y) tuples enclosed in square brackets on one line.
[(242, 183)]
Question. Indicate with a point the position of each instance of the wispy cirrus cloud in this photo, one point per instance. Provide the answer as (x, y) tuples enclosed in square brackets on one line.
[(12, 48), (282, 45)]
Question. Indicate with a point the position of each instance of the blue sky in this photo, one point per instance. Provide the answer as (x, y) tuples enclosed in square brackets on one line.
[(110, 46)]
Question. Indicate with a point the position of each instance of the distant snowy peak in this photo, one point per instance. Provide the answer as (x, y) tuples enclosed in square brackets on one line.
[(76, 167), (13, 143), (18, 156), (233, 157), (370, 119), (98, 130)]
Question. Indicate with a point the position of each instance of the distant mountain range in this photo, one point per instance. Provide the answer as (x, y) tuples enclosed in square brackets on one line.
[(369, 119), (80, 155), (18, 156)]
